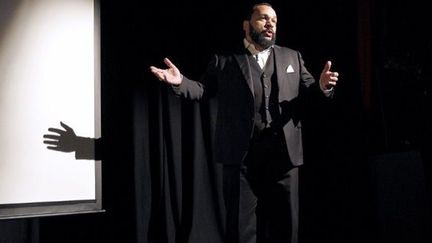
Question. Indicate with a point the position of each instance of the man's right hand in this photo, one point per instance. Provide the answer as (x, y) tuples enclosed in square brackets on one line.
[(171, 75)]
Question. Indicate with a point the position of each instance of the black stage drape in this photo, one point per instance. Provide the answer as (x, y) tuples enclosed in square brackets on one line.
[(178, 186)]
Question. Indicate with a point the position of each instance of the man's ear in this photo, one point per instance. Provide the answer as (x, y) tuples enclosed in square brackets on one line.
[(245, 25)]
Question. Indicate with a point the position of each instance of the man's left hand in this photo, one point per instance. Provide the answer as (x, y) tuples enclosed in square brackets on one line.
[(328, 79)]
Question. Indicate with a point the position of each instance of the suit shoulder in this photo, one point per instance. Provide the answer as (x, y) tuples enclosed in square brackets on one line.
[(223, 57), (220, 60), (286, 49)]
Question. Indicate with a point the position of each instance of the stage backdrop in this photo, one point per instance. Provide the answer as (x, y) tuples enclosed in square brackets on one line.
[(49, 72)]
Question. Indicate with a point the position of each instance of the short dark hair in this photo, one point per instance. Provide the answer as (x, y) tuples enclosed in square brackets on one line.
[(248, 16)]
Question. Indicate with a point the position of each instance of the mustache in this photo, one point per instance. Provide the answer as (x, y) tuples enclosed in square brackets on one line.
[(268, 30), (256, 35)]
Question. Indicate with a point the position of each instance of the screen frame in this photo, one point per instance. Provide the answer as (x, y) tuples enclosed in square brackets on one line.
[(43, 209)]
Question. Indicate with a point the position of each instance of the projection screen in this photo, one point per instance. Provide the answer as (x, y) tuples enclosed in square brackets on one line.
[(49, 72)]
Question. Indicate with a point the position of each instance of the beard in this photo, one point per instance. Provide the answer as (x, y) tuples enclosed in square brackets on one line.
[(260, 39)]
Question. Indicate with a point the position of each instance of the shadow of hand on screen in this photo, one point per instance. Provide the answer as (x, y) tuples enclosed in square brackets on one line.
[(65, 140)]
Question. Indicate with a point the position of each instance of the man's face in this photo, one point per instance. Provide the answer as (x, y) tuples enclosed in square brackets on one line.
[(261, 28)]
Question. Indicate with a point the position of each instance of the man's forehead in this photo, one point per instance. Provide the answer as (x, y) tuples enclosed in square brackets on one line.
[(264, 10)]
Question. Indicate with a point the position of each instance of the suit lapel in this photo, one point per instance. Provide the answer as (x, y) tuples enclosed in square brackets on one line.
[(243, 61)]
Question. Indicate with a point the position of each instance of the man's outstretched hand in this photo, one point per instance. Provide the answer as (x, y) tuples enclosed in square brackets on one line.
[(328, 78), (171, 75)]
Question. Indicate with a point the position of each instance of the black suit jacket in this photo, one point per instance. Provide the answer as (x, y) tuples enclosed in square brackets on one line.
[(228, 77)]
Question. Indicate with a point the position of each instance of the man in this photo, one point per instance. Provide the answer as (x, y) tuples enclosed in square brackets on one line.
[(262, 92)]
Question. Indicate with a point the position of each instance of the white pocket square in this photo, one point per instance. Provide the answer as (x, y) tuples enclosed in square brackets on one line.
[(289, 69)]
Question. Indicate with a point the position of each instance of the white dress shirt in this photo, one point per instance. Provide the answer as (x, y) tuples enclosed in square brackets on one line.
[(260, 56)]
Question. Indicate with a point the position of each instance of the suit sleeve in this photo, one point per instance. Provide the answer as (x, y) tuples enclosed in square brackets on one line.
[(307, 80), (309, 91), (203, 89), (306, 77)]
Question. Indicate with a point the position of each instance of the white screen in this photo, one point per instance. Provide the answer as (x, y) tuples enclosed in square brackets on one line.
[(47, 75)]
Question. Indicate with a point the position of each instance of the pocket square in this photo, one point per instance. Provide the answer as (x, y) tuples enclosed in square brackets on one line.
[(289, 69)]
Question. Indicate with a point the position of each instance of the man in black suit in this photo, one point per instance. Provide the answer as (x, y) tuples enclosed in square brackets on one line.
[(262, 92)]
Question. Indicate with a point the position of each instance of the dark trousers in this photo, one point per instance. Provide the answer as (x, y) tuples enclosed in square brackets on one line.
[(261, 194)]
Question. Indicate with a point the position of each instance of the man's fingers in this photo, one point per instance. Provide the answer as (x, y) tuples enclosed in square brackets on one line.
[(327, 66), (154, 69), (157, 72), (169, 63)]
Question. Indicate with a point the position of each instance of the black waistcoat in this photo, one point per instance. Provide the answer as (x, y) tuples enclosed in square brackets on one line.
[(265, 92)]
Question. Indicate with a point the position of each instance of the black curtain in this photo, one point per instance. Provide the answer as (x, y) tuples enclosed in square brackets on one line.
[(178, 186)]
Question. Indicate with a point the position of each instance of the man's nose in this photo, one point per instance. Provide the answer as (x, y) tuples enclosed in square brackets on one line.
[(269, 23)]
